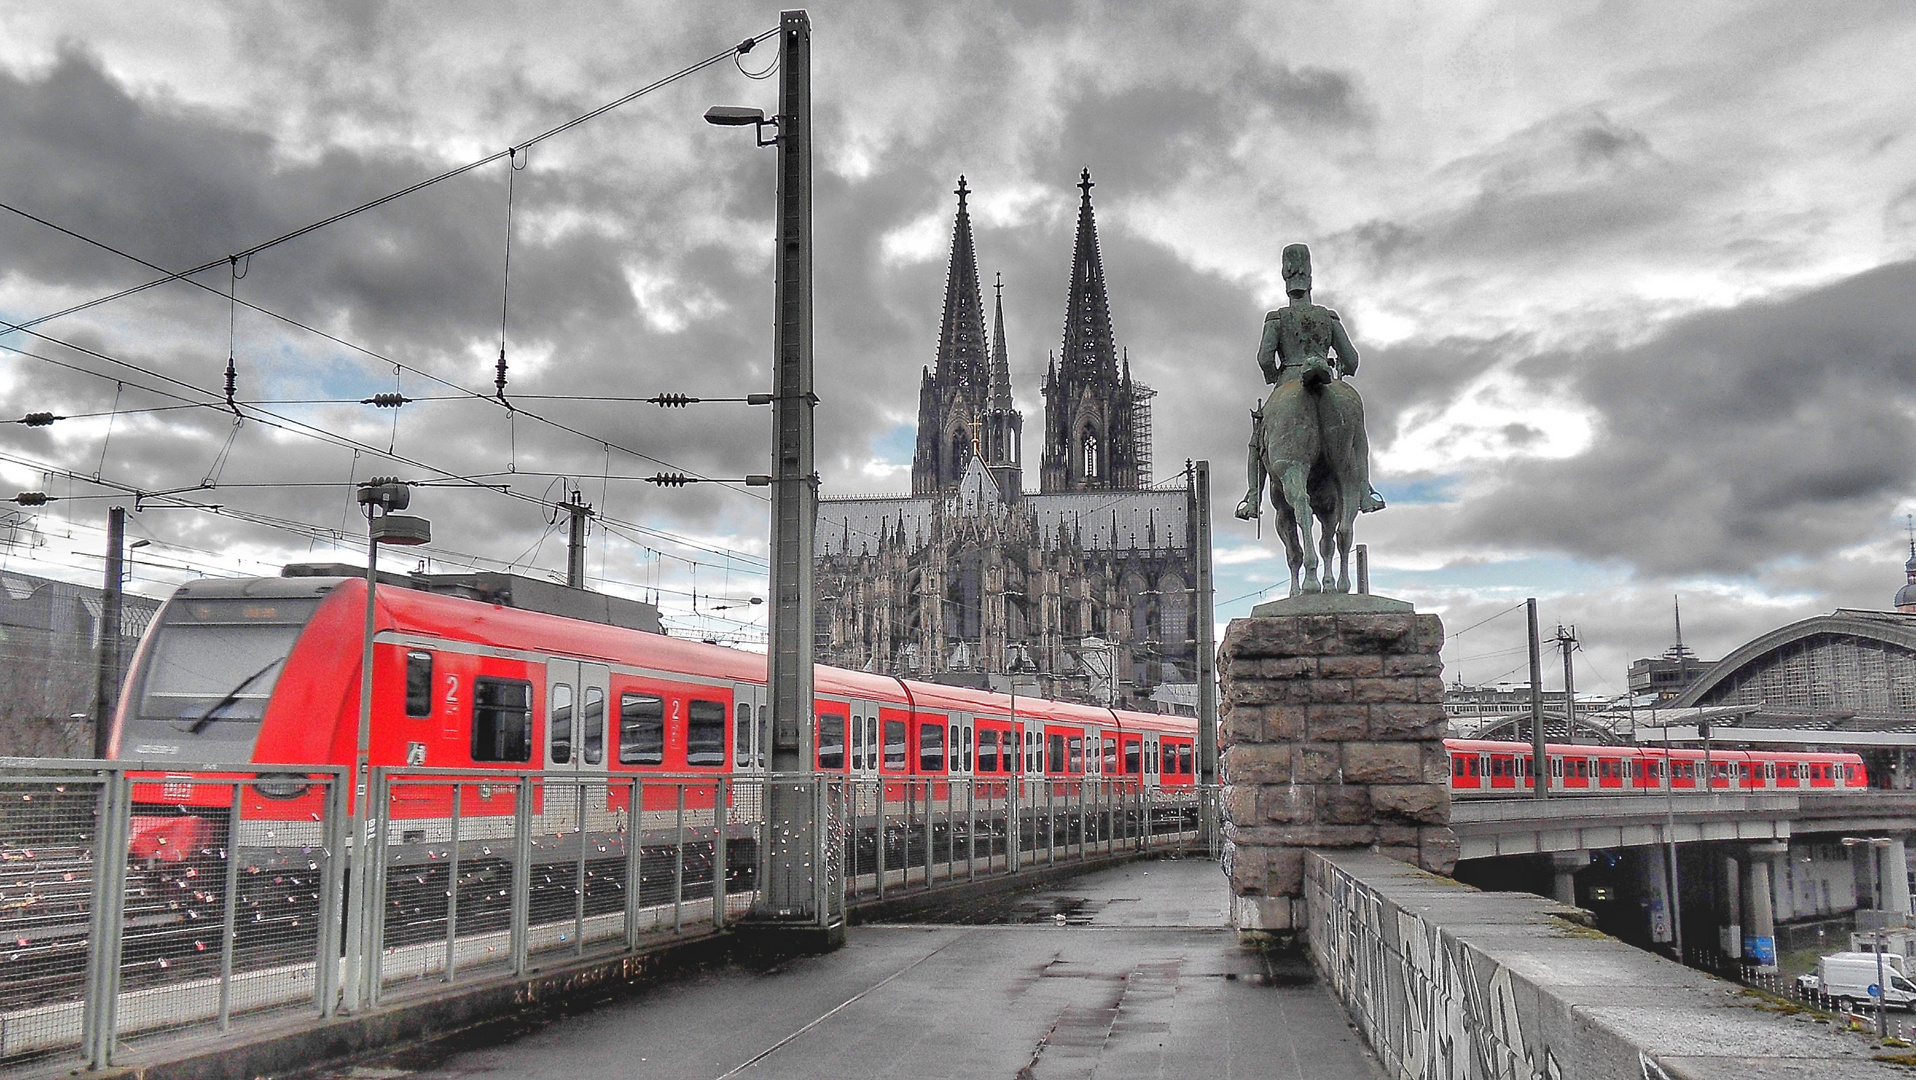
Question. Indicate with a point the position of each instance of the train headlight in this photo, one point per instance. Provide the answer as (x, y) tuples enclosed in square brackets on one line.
[(281, 785)]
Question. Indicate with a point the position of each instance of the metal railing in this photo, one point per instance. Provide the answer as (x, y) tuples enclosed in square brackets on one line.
[(139, 897)]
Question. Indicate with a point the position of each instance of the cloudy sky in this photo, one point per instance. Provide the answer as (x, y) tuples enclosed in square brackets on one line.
[(1632, 282)]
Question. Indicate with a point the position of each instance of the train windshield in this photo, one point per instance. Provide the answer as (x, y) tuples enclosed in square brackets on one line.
[(216, 661)]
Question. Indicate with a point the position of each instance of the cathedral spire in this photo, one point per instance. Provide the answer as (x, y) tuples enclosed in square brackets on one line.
[(1000, 357), (961, 337), (1089, 350)]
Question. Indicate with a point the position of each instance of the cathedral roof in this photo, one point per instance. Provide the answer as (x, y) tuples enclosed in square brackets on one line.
[(976, 490), (961, 336), (1100, 520), (1089, 351)]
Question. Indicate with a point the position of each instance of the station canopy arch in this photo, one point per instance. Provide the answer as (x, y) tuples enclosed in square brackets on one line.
[(1850, 668)]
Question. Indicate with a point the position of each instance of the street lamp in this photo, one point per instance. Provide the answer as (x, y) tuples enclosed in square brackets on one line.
[(1876, 846), (381, 496)]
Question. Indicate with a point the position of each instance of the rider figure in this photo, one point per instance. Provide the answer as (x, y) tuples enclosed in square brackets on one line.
[(1299, 339)]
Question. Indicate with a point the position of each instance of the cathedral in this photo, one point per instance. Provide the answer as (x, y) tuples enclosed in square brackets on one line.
[(1084, 589)]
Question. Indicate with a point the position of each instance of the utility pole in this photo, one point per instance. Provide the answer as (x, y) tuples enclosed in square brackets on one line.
[(1566, 641), (1539, 763), (106, 685), (1206, 652), (789, 892), (579, 510)]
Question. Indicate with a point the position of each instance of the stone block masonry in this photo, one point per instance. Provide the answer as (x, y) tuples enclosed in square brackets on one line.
[(1332, 738)]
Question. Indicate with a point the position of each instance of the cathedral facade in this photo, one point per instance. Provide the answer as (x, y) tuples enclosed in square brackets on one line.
[(1085, 589)]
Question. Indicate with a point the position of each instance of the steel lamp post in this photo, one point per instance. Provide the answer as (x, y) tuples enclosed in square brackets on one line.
[(381, 496)]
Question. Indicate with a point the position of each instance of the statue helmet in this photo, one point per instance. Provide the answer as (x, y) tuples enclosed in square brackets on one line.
[(1297, 269)]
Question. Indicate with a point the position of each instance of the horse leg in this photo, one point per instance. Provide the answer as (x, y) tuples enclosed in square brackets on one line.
[(1297, 494), (1287, 532), (1332, 544)]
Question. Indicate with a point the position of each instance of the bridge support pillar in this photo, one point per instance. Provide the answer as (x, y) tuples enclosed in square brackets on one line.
[(1564, 866), (1730, 909), (1893, 890), (1333, 726), (1759, 931)]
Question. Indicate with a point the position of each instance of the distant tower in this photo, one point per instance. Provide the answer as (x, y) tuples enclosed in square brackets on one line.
[(1089, 440), (1906, 596), (1004, 424), (954, 394)]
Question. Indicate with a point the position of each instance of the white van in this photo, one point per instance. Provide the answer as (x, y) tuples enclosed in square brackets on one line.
[(1847, 976)]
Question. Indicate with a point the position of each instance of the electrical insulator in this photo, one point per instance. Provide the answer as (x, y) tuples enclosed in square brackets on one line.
[(671, 480), (39, 419), (32, 498), (673, 401), (386, 401)]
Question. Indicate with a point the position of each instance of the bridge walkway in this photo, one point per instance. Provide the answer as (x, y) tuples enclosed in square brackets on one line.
[(1127, 972)]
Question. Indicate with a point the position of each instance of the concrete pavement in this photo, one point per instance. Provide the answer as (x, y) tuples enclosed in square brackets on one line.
[(1131, 972)]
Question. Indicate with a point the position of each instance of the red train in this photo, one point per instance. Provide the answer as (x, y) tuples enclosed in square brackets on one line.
[(1482, 768), (265, 671)]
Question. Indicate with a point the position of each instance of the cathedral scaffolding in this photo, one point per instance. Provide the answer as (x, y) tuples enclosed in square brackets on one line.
[(1141, 396)]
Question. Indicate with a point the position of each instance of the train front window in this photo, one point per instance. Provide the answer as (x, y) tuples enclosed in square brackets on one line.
[(215, 661)]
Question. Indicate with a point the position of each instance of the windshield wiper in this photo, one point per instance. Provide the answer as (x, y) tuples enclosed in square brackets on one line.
[(232, 696)]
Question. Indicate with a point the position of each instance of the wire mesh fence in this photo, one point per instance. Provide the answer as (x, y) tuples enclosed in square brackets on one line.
[(137, 899)]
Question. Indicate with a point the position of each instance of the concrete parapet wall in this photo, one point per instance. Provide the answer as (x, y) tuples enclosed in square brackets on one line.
[(1445, 981), (1331, 737)]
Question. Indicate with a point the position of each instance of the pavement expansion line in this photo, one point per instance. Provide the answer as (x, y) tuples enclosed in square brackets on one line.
[(840, 1007)]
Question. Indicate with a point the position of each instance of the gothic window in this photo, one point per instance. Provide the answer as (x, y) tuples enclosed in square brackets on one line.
[(1174, 610), (960, 453), (1090, 456)]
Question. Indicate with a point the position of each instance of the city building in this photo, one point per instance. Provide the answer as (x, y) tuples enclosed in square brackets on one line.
[(49, 662), (1085, 588)]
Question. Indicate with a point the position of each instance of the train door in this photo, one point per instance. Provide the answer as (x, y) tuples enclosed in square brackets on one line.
[(748, 745), (575, 745)]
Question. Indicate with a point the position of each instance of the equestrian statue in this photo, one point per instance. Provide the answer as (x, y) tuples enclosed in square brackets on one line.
[(1308, 438)]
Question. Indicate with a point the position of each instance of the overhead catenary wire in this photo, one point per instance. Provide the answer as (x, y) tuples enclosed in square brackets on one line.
[(210, 399), (382, 200)]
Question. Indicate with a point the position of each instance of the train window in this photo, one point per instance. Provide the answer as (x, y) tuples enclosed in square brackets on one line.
[(987, 751), (742, 734), (831, 741), (858, 744), (1184, 759), (418, 683), (1131, 764), (764, 735), (895, 746), (1076, 763), (952, 740), (1110, 756), (1457, 768), (931, 748), (641, 729), (1170, 755), (705, 734), (966, 743), (1034, 750), (1473, 766), (1556, 767), (501, 719), (559, 723), (1056, 762), (595, 725)]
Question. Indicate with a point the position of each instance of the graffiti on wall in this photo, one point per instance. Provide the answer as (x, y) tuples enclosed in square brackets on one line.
[(1431, 1008)]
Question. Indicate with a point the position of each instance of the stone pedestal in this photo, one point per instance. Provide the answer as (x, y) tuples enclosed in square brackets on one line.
[(1332, 737)]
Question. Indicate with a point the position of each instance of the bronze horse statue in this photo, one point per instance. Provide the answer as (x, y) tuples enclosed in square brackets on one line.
[(1308, 439)]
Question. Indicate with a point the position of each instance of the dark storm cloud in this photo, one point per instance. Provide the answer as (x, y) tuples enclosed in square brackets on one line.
[(1730, 439)]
